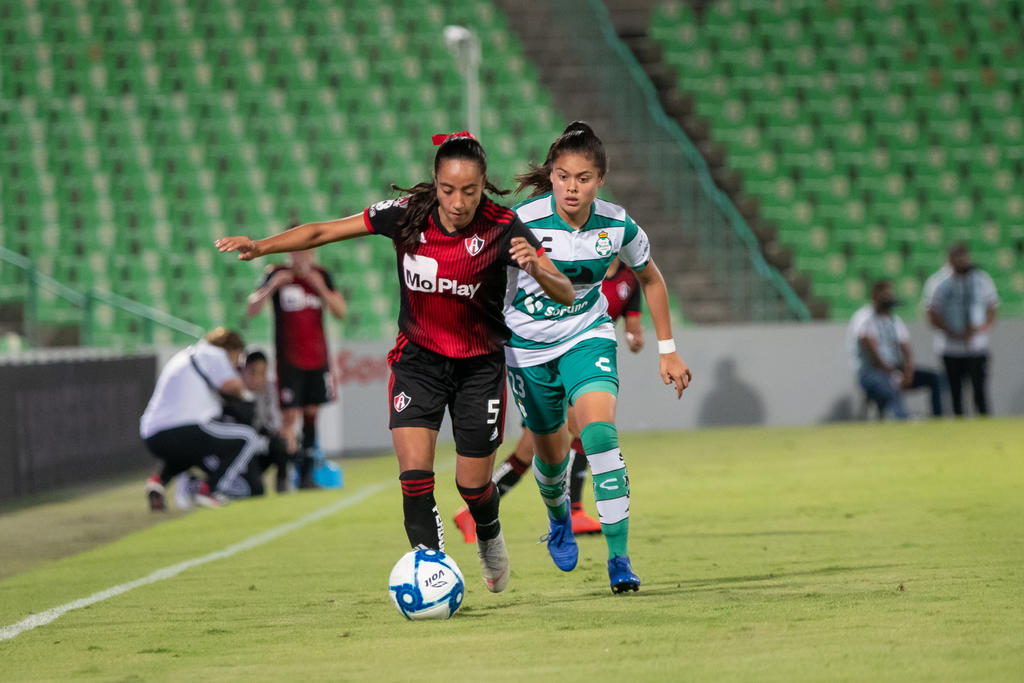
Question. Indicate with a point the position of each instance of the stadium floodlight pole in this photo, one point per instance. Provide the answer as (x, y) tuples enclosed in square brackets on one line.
[(465, 47)]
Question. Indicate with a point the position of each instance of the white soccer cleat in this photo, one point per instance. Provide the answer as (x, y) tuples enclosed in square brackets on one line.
[(494, 564), (185, 488)]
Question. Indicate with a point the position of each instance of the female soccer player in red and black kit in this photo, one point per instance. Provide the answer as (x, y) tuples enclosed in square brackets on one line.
[(299, 291), (625, 300), (452, 246)]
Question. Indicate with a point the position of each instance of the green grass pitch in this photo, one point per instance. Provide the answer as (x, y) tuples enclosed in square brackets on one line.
[(860, 552)]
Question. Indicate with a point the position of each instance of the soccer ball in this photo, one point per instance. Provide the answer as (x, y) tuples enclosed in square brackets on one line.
[(426, 584)]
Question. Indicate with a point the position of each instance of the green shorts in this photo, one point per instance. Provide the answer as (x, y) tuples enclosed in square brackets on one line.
[(541, 392)]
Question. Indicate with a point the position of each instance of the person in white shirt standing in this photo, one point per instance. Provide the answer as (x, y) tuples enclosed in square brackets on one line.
[(182, 423), (880, 344), (961, 302)]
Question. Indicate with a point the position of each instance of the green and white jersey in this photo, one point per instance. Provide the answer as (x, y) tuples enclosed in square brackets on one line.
[(543, 329)]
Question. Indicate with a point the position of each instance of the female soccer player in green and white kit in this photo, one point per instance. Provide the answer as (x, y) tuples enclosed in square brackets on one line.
[(563, 353)]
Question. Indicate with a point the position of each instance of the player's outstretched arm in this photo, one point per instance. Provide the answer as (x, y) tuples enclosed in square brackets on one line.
[(673, 369), (554, 283), (306, 236)]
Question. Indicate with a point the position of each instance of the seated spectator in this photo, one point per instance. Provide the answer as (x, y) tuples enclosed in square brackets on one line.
[(267, 422), (183, 424), (880, 343)]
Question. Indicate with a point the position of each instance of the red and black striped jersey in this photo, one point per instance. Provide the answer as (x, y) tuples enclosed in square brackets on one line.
[(298, 321), (623, 294), (453, 284)]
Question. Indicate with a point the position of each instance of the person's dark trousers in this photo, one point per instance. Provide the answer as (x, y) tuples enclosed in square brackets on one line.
[(276, 455), (930, 379), (973, 367)]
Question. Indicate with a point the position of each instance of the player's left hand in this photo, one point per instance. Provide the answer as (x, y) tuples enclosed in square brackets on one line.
[(674, 370), (524, 254)]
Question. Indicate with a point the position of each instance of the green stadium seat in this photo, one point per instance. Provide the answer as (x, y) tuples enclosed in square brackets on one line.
[(906, 120)]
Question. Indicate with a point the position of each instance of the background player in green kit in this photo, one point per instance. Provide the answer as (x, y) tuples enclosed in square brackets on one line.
[(561, 354)]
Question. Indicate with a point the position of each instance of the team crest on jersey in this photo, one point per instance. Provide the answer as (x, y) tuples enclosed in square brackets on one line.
[(474, 244), (402, 402), (623, 290), (603, 246)]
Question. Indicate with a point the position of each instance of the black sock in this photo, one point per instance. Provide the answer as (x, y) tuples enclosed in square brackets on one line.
[(423, 524), (308, 435), (579, 472), (508, 474), (483, 506)]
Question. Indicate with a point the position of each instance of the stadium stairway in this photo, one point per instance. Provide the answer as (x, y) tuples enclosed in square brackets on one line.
[(571, 83)]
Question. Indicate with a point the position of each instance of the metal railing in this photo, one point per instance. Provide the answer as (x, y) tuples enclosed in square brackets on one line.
[(676, 168), (86, 302)]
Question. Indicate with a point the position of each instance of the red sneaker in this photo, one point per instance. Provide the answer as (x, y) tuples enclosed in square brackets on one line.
[(155, 494), (466, 525), (582, 523), (206, 499)]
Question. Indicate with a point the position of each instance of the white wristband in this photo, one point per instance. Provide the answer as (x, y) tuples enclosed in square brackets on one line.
[(666, 346)]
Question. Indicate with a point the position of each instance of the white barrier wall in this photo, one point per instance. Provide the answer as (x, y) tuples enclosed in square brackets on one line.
[(744, 374), (786, 374)]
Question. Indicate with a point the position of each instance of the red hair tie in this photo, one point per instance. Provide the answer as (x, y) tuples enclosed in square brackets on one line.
[(441, 138)]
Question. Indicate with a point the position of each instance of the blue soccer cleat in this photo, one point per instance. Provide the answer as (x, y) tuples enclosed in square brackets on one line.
[(562, 543), (621, 574)]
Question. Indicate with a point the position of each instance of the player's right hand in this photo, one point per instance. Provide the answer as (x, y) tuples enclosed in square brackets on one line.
[(244, 245)]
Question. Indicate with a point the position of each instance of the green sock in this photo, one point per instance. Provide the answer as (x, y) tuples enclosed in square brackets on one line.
[(553, 482), (611, 484)]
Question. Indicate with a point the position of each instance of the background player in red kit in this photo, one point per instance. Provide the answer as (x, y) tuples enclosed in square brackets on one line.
[(300, 291), (625, 300), (453, 247)]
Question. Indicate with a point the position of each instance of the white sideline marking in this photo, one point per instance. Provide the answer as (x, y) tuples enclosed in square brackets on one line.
[(43, 618)]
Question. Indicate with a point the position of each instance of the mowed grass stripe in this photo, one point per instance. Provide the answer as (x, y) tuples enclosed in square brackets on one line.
[(765, 554)]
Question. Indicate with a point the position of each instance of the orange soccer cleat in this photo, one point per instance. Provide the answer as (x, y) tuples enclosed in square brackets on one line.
[(466, 524), (582, 523)]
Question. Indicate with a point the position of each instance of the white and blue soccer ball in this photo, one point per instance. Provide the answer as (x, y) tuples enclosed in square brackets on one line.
[(426, 584)]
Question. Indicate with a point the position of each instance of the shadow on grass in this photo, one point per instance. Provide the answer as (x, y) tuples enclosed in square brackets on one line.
[(698, 584), (754, 534), (690, 585)]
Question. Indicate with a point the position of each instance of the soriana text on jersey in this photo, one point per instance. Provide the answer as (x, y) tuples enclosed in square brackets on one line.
[(421, 276)]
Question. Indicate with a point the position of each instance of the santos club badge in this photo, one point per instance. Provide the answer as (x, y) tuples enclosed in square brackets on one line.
[(603, 244)]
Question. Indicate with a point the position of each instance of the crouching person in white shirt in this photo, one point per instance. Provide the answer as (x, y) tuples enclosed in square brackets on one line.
[(183, 426)]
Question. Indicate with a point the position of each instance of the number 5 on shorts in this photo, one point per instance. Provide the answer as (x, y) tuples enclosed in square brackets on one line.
[(493, 409)]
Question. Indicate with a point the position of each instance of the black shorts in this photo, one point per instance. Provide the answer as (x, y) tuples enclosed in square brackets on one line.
[(424, 383), (297, 387)]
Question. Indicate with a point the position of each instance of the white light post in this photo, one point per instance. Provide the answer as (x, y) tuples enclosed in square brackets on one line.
[(465, 47)]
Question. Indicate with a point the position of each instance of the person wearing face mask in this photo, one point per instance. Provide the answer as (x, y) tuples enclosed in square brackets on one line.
[(961, 302), (880, 343)]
